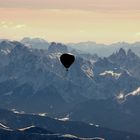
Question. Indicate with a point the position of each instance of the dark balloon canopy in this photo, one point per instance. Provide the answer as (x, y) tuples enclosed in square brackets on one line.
[(67, 60)]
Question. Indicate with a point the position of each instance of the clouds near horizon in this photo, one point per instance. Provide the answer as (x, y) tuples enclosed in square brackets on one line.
[(103, 21)]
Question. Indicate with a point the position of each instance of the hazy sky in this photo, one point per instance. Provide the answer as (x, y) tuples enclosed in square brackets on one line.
[(103, 21)]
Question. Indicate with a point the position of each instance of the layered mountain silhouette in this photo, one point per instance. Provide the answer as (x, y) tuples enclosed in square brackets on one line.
[(103, 49), (96, 90), (29, 126)]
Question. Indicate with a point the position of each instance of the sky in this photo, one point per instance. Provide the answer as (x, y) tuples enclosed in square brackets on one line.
[(102, 21)]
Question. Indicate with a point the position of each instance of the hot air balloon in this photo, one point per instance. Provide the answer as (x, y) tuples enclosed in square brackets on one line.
[(67, 60)]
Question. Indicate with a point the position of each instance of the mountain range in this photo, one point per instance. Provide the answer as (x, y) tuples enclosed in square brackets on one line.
[(89, 47), (105, 50), (95, 90), (21, 126)]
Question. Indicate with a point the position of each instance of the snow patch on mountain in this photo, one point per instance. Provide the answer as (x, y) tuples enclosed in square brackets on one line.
[(5, 52), (134, 93), (55, 55), (17, 112), (123, 97), (97, 138), (120, 96), (111, 73), (26, 128), (87, 70), (69, 136), (42, 114), (64, 119), (96, 125), (3, 126)]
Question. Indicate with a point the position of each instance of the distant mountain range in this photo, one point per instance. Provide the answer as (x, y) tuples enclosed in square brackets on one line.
[(96, 90), (35, 42), (87, 47), (103, 49)]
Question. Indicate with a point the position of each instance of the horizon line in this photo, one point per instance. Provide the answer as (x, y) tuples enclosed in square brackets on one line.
[(88, 41)]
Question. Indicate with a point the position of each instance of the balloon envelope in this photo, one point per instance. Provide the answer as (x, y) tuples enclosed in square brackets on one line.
[(67, 60)]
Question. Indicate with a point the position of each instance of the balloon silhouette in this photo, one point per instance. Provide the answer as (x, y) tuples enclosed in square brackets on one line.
[(67, 60)]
